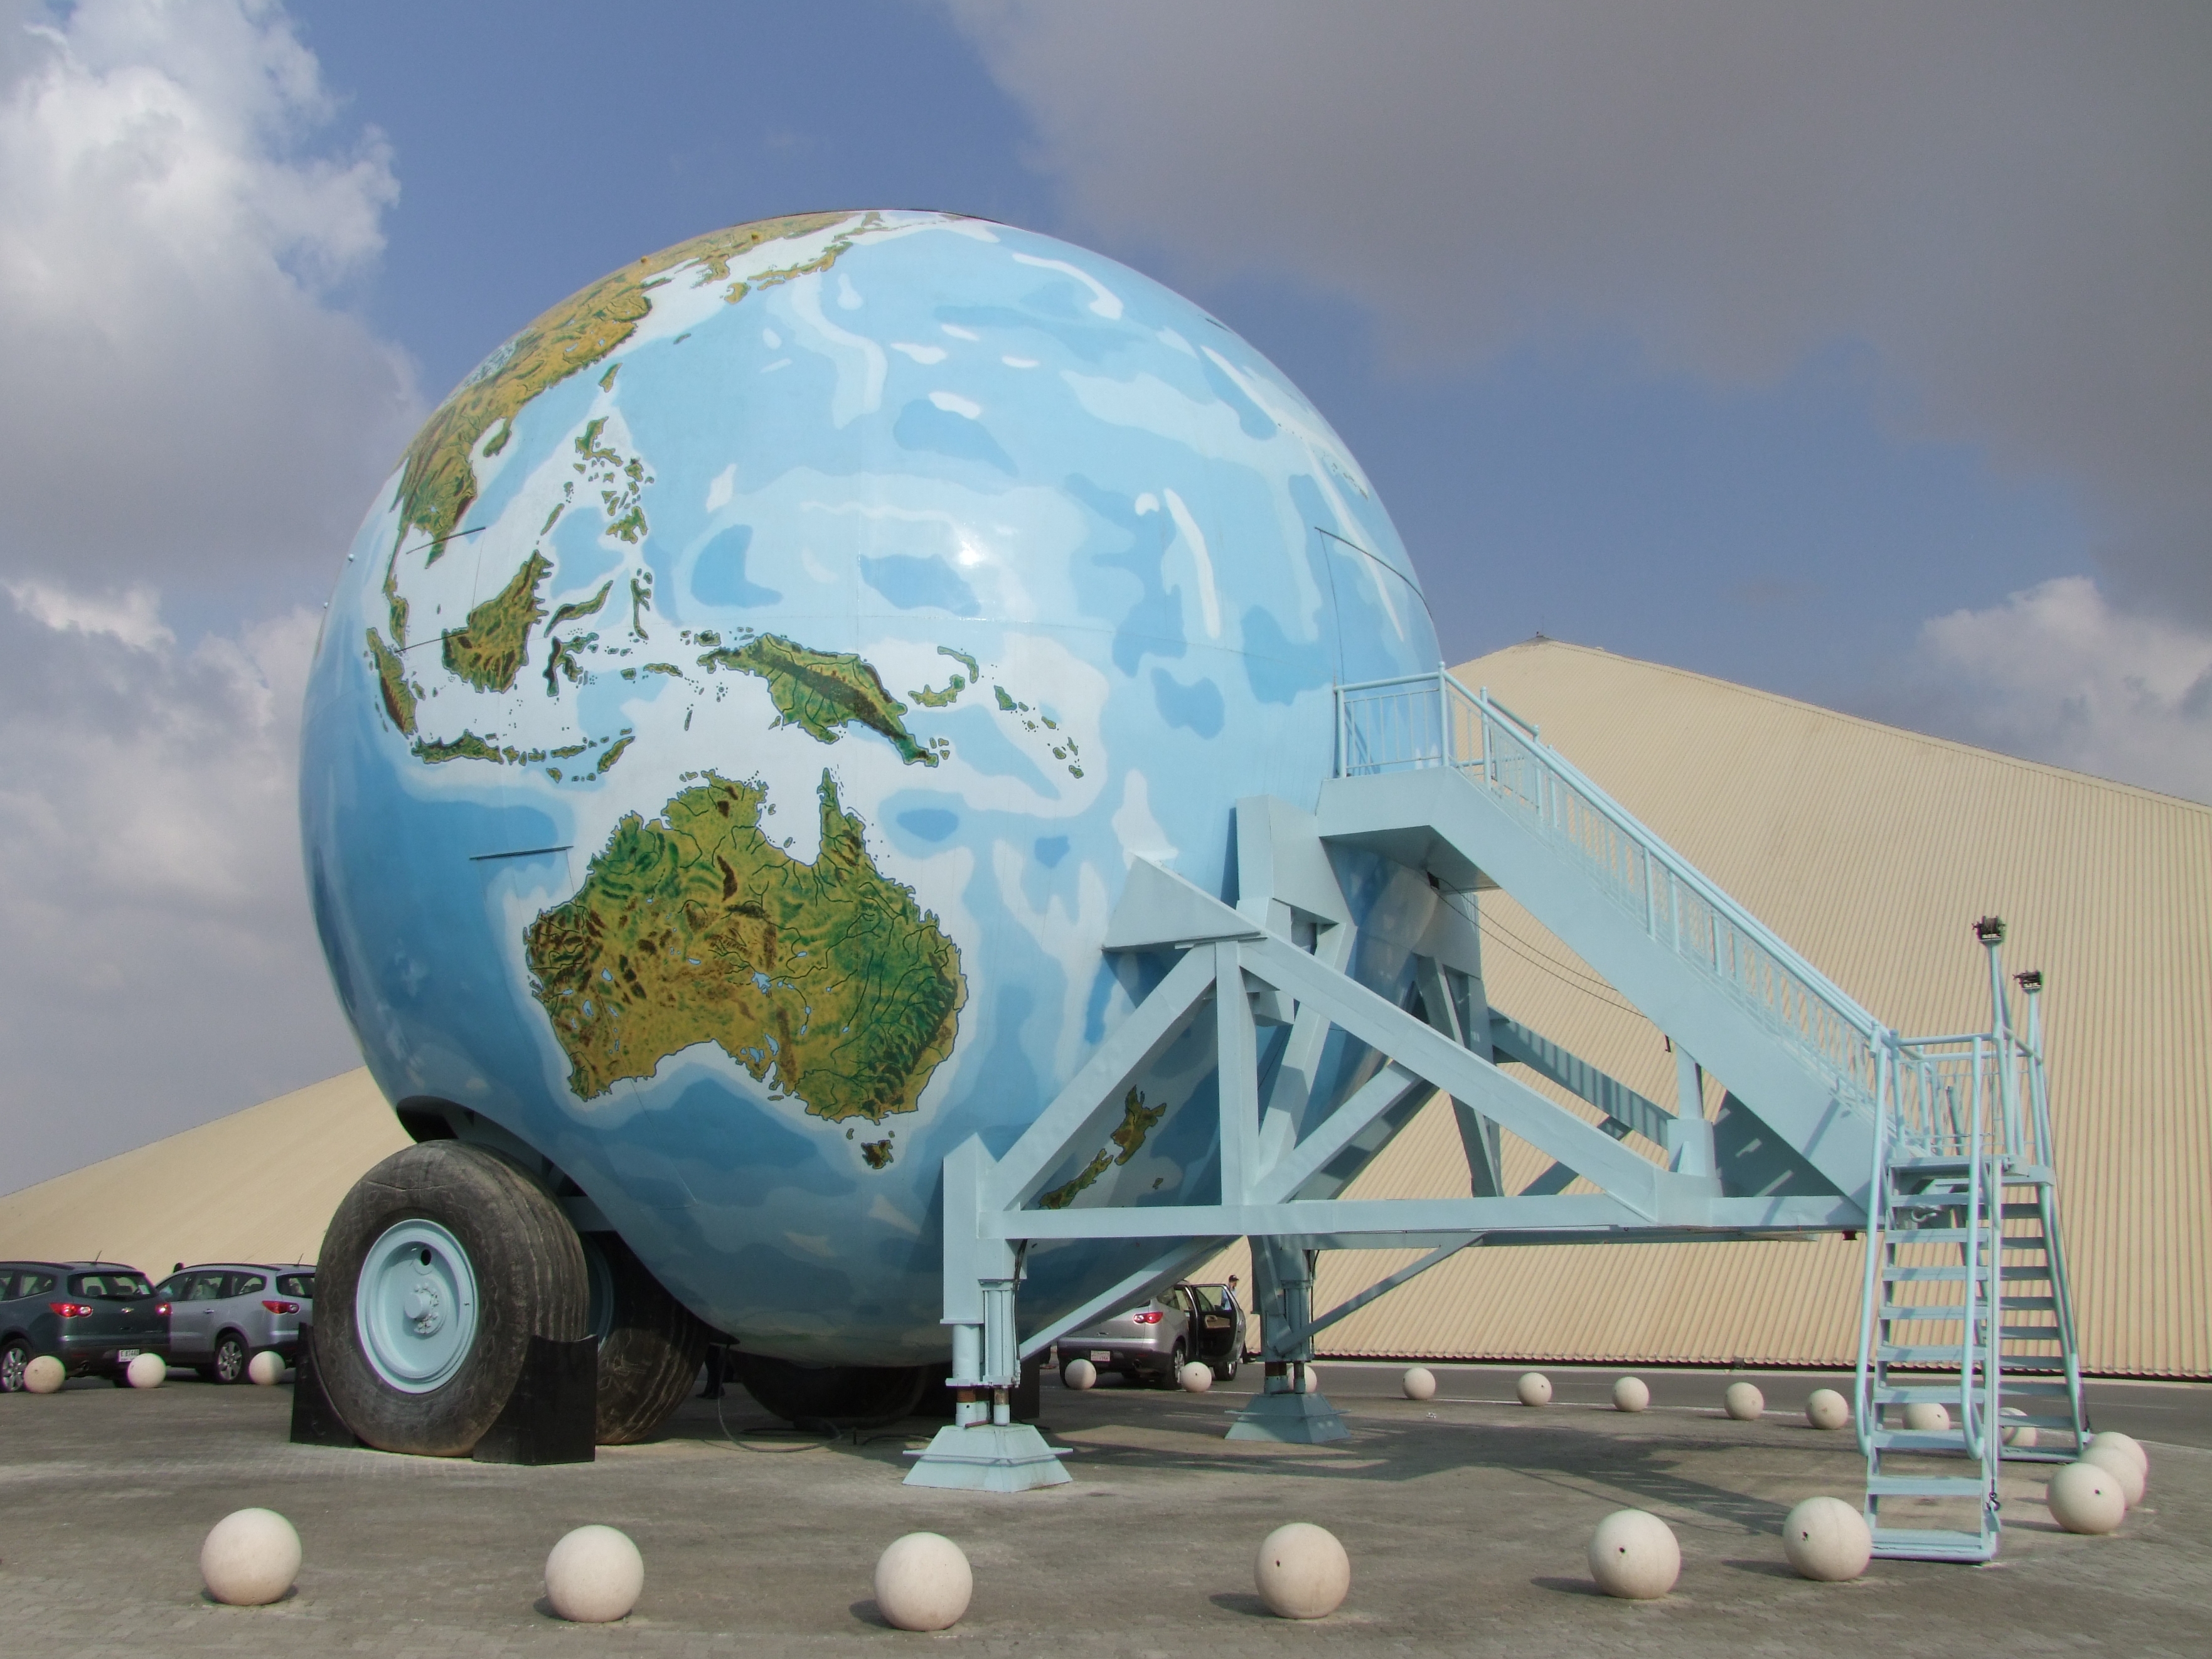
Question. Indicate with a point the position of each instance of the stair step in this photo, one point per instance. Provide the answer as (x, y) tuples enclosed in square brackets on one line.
[(1925, 1486), (1951, 1312), (1914, 1394), (2028, 1333), (1932, 1544), (2031, 1305), (1899, 1237), (1935, 1355), (2037, 1390), (1945, 1441)]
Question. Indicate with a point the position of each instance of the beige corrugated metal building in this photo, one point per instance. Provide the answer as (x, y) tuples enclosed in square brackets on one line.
[(259, 1185), (1871, 850)]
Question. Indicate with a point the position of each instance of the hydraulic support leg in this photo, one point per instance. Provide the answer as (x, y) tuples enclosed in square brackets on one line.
[(1283, 1410)]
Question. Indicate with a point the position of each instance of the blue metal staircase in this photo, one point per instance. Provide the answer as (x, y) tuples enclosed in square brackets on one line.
[(1430, 774), (1938, 1149), (1967, 1304), (1946, 1142)]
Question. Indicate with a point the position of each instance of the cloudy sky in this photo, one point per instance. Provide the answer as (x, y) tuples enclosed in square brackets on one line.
[(1862, 353)]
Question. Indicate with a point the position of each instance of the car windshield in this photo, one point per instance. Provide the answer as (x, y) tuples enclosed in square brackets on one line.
[(302, 1284), (110, 1287)]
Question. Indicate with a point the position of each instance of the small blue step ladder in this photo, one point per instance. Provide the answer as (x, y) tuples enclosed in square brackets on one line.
[(1967, 1304)]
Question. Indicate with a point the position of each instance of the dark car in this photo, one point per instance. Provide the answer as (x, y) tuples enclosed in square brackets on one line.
[(1154, 1341), (94, 1316)]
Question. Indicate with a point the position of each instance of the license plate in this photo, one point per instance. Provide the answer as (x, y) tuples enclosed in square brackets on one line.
[(1100, 1356), (126, 1353)]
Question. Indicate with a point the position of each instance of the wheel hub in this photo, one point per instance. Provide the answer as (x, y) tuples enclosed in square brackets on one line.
[(416, 1306)]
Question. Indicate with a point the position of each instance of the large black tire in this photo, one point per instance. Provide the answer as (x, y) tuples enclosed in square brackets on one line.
[(530, 1278), (650, 1345), (13, 1358), (833, 1396)]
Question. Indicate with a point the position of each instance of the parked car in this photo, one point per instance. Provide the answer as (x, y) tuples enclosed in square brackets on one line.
[(94, 1316), (1154, 1341), (223, 1313)]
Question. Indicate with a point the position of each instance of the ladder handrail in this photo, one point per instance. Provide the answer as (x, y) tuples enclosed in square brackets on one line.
[(1877, 1207)]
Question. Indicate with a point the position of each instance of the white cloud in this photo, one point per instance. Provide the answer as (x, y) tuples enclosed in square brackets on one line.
[(133, 616), (184, 401), (2057, 674), (2008, 203), (191, 414), (161, 965)]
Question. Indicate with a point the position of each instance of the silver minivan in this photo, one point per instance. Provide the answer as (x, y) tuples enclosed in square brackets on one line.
[(1153, 1341), (223, 1313)]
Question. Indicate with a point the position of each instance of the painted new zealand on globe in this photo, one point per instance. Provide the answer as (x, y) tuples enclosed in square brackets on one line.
[(745, 702)]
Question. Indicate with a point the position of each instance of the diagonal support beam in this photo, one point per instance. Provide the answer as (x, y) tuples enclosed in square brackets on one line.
[(1381, 1288), (1173, 1264), (1516, 1042), (1438, 1061), (1386, 1089), (1134, 1045)]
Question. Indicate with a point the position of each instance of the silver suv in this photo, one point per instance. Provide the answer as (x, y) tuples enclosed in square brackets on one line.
[(1153, 1341), (223, 1313)]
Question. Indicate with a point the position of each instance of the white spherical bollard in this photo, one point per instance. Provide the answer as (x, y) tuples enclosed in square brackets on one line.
[(1534, 1388), (1827, 1409), (1420, 1382), (148, 1370), (1634, 1556), (594, 1576), (1196, 1378), (45, 1375), (1744, 1402), (1309, 1380), (250, 1559), (1302, 1572), (1928, 1417), (2022, 1435), (923, 1582), (266, 1368), (1826, 1539), (1079, 1374), (2128, 1469), (1631, 1394), (2085, 1498), (2113, 1439)]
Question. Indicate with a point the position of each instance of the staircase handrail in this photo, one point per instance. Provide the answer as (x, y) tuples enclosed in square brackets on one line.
[(1473, 731)]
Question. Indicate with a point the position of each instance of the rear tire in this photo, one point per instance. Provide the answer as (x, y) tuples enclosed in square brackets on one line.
[(231, 1356), (500, 1264), (13, 1358), (1172, 1377), (833, 1396), (650, 1345)]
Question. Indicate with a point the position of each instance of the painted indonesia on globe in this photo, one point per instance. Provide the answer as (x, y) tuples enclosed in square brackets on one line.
[(738, 712)]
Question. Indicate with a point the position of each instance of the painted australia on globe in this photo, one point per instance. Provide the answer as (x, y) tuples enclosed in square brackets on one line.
[(692, 926)]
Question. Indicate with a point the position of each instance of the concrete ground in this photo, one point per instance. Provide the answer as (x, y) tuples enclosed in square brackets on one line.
[(1465, 1518)]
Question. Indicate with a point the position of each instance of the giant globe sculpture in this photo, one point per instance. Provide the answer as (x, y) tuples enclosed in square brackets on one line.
[(728, 740)]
